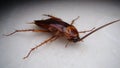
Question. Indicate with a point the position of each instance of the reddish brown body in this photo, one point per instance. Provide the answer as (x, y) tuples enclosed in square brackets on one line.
[(59, 28)]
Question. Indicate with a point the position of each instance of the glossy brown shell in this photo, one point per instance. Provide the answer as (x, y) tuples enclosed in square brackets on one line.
[(55, 25)]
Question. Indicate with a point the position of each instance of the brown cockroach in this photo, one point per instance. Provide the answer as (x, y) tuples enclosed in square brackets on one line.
[(59, 28)]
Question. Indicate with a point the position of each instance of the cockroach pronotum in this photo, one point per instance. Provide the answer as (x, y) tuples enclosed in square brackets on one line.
[(59, 28)]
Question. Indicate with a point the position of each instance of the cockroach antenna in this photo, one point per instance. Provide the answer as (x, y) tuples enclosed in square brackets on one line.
[(98, 29)]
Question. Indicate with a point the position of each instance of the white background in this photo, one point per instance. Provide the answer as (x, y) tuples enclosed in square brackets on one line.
[(99, 50)]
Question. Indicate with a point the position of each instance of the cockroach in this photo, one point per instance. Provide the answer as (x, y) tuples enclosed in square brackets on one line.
[(59, 28)]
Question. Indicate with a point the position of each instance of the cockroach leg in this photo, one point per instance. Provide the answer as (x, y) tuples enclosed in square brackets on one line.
[(74, 20), (49, 15), (52, 17), (38, 46), (87, 30), (67, 44), (30, 23), (54, 38), (34, 30)]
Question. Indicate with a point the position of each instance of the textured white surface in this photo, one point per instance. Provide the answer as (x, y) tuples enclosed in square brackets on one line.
[(100, 50)]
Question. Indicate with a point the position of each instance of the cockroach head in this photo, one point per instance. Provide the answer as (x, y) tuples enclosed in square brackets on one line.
[(72, 34), (75, 39)]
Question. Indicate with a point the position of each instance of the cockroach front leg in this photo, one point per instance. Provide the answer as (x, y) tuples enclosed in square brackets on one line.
[(87, 30), (67, 44), (74, 20), (34, 30), (39, 46)]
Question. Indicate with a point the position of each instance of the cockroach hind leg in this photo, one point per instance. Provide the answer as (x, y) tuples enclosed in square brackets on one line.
[(54, 39), (30, 23), (33, 30), (50, 16), (9, 34), (29, 53), (38, 46)]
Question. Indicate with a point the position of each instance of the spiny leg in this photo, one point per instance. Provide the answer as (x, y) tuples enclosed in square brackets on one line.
[(38, 46), (49, 15), (30, 23), (34, 30), (57, 36), (67, 44), (74, 20), (54, 38), (87, 30), (52, 16)]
